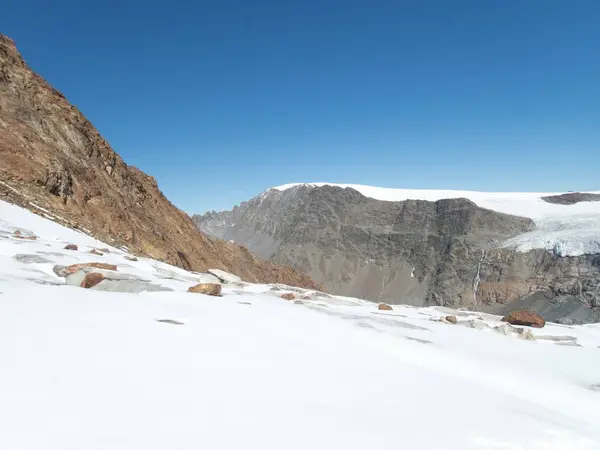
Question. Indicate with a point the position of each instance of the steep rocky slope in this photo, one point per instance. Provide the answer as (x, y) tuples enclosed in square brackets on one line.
[(53, 161), (448, 252)]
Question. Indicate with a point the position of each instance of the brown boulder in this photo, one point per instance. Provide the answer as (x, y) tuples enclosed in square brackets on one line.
[(96, 265), (451, 319), (71, 247), (526, 318), (206, 289), (288, 296), (384, 307), (95, 252), (130, 258), (91, 279)]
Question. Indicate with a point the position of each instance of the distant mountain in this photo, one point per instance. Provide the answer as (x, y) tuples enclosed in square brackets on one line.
[(486, 251), (54, 162)]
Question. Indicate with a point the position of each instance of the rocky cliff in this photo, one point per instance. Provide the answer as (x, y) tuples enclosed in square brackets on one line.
[(448, 252), (54, 162)]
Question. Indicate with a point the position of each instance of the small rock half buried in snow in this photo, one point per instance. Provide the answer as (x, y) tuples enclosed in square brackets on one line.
[(384, 307), (91, 279), (288, 296), (207, 289), (71, 247)]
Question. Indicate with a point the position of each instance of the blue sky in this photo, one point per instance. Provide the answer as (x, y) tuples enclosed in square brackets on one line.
[(220, 100)]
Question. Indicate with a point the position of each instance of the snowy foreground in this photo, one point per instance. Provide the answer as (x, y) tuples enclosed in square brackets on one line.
[(567, 230), (86, 369)]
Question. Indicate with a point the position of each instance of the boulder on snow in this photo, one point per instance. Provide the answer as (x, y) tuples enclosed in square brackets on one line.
[(288, 296), (63, 271), (91, 279), (526, 318), (95, 252), (98, 265), (384, 307), (213, 289), (130, 258), (451, 319), (71, 247)]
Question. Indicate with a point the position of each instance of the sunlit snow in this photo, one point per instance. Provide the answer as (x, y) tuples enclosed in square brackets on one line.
[(86, 369)]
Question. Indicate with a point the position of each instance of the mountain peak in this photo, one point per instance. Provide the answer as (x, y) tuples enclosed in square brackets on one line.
[(55, 162)]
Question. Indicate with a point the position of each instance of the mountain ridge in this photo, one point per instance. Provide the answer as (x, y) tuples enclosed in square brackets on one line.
[(54, 158), (449, 252)]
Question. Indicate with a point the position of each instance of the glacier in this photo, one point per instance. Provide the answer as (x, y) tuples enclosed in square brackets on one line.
[(567, 230)]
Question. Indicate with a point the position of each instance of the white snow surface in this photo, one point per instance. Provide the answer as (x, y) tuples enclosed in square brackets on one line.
[(568, 230), (93, 370)]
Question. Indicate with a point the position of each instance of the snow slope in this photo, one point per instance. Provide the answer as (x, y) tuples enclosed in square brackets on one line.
[(568, 230), (85, 369)]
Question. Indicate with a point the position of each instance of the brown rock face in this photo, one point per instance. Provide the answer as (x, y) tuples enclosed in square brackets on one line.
[(288, 296), (526, 318), (384, 307), (207, 289), (51, 154), (91, 279)]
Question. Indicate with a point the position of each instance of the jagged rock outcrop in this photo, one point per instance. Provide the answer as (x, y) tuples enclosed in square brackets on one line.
[(571, 198), (54, 162), (447, 252)]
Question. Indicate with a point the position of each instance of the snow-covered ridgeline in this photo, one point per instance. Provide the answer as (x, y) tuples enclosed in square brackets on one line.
[(568, 230)]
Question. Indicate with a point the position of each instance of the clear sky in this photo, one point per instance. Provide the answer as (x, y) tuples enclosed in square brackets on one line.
[(222, 99)]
